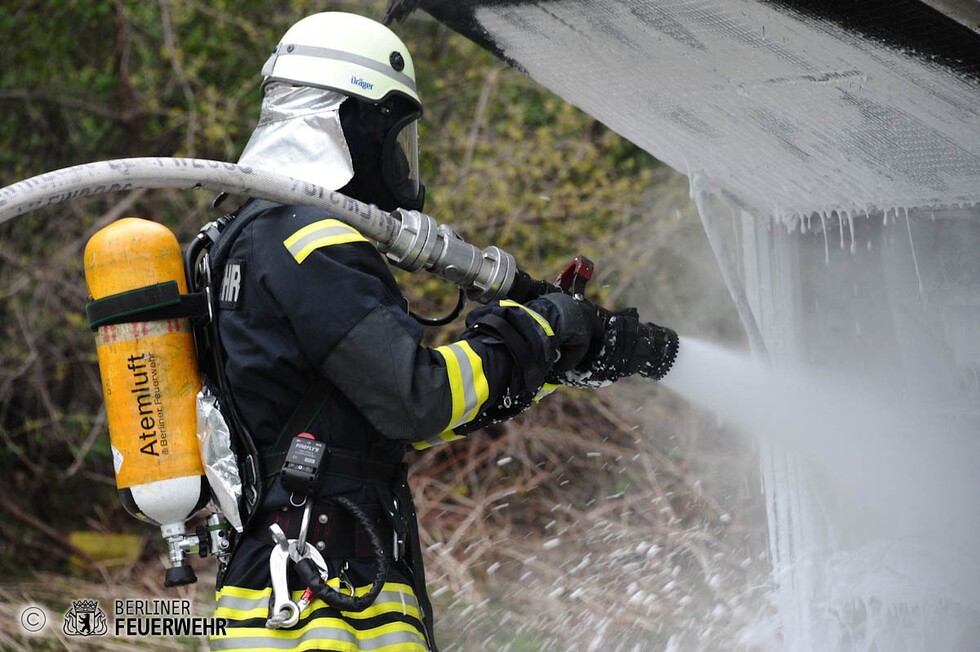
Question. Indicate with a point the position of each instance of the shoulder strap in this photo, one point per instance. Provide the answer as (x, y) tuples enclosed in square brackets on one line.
[(302, 418), (216, 240), (226, 237)]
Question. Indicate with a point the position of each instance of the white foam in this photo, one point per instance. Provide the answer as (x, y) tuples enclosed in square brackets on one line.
[(902, 477)]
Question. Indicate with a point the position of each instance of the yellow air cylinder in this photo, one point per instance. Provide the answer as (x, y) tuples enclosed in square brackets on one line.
[(150, 377)]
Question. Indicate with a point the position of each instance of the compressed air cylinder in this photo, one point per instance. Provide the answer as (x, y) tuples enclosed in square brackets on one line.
[(150, 377)]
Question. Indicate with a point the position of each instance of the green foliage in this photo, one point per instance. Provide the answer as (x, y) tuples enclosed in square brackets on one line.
[(505, 163)]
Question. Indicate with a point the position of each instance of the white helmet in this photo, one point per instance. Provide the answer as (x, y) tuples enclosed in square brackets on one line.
[(344, 52), (364, 60)]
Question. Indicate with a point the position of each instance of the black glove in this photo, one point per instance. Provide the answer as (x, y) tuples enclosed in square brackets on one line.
[(627, 346), (578, 331)]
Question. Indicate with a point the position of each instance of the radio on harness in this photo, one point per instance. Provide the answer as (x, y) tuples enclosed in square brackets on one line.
[(302, 463)]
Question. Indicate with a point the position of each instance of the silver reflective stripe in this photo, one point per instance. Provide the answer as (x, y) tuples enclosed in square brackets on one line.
[(470, 400), (242, 604), (338, 55), (323, 637), (397, 597), (386, 598), (247, 604), (296, 247), (545, 390)]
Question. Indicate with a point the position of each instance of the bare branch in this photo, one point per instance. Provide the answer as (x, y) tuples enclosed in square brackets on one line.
[(185, 85), (41, 96)]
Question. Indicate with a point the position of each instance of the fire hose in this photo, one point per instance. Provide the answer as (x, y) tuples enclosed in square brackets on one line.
[(411, 240)]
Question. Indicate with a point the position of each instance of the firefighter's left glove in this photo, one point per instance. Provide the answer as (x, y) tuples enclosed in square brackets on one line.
[(578, 330), (626, 346)]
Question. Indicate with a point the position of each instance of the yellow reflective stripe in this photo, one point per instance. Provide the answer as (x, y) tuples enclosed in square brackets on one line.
[(248, 594), (455, 382), (241, 604), (542, 322), (230, 613), (393, 598), (377, 609), (441, 438), (324, 634), (480, 384), (546, 389), (449, 435), (236, 603), (468, 384), (468, 388), (324, 233)]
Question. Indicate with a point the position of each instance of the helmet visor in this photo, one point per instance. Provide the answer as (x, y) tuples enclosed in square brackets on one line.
[(401, 162)]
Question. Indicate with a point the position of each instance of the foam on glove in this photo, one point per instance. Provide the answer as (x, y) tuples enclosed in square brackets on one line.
[(628, 347)]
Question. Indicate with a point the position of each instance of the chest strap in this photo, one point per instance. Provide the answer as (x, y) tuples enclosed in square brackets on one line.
[(345, 464)]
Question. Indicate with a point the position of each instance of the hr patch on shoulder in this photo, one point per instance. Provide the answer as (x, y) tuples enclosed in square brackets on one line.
[(231, 285)]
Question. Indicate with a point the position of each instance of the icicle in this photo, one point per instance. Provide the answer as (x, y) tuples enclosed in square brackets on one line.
[(840, 226), (915, 262), (850, 225), (826, 245)]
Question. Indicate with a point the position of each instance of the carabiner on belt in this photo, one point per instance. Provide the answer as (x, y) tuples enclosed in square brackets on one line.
[(284, 612)]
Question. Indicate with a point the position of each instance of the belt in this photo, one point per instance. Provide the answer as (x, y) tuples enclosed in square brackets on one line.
[(344, 464), (333, 530)]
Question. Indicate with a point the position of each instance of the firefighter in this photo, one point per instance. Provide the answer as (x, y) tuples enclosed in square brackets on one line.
[(317, 338)]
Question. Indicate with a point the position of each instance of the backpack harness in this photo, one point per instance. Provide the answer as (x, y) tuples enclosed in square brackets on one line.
[(204, 261)]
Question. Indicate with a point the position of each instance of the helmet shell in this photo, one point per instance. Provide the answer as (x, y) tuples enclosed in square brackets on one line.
[(344, 52)]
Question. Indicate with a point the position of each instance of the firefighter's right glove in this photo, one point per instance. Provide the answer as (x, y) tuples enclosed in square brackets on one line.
[(623, 346)]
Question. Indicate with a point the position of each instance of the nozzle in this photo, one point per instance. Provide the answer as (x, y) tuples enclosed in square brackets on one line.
[(656, 347)]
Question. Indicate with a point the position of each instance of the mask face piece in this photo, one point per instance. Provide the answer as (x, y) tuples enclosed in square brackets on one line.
[(384, 149), (400, 162)]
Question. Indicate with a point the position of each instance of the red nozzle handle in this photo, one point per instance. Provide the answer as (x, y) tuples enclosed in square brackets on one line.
[(576, 274)]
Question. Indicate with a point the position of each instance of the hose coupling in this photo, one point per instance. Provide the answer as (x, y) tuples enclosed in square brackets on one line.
[(414, 239), (485, 275)]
